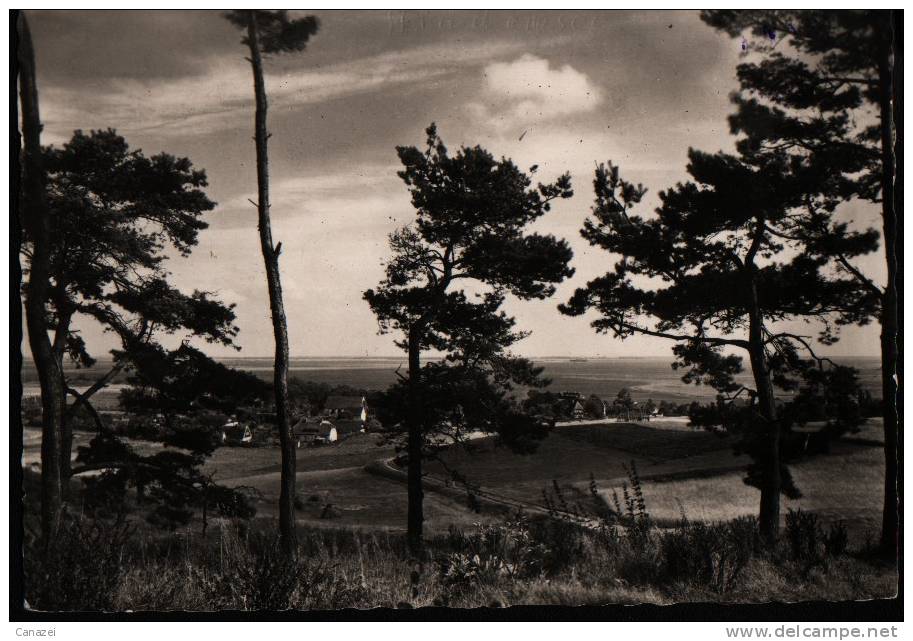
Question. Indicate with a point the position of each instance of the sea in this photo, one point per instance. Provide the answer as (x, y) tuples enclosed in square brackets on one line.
[(646, 378)]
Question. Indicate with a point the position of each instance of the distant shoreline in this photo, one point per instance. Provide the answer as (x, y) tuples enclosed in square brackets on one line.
[(646, 377), (402, 357)]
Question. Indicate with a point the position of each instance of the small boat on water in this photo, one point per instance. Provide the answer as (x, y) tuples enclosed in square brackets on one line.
[(578, 360)]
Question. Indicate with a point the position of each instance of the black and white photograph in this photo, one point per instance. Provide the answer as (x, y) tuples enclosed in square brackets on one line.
[(425, 310)]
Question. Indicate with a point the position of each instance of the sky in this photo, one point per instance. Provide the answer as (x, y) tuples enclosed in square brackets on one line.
[(563, 90)]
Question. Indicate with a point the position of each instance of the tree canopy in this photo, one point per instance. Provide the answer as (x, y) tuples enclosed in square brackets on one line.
[(471, 211), (185, 380), (116, 216), (192, 394), (278, 33), (826, 91), (716, 269), (451, 270), (117, 213), (730, 227)]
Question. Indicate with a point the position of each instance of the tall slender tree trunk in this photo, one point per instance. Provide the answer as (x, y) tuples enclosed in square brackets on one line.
[(890, 375), (66, 424), (36, 215), (415, 517), (898, 279), (66, 443), (280, 329), (771, 482)]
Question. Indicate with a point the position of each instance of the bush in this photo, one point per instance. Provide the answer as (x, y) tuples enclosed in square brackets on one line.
[(836, 540), (634, 514), (708, 555), (514, 562), (81, 420), (561, 541), (803, 537), (636, 552), (261, 576), (81, 569), (143, 427), (489, 553)]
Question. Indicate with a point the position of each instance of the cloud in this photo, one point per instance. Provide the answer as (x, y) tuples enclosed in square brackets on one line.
[(370, 195), (528, 90), (221, 96), (333, 229)]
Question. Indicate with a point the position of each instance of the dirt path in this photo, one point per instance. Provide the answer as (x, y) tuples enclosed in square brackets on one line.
[(384, 468)]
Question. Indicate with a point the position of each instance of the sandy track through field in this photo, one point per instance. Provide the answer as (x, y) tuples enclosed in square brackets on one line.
[(385, 469)]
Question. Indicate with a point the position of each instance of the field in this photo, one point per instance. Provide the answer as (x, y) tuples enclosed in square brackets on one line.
[(681, 470), (352, 512), (691, 472), (351, 524)]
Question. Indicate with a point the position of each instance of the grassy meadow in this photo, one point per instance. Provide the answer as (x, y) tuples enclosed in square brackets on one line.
[(481, 553)]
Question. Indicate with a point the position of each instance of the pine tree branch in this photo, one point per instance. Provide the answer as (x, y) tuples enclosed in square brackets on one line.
[(83, 398), (850, 80), (775, 338), (710, 340), (864, 280)]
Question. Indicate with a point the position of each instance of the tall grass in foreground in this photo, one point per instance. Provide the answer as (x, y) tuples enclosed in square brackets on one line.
[(521, 561)]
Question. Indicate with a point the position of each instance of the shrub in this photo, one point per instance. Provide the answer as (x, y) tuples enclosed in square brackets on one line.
[(744, 531), (489, 553), (259, 575), (459, 572), (561, 541), (636, 559), (836, 540), (809, 543), (711, 556), (601, 508), (81, 569), (803, 534), (81, 420), (634, 515)]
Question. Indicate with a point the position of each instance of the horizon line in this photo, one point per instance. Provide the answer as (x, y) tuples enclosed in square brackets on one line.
[(533, 358), (550, 356)]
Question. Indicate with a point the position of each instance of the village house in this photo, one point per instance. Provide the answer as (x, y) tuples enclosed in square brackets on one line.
[(235, 433), (349, 407), (309, 431), (323, 430), (579, 411)]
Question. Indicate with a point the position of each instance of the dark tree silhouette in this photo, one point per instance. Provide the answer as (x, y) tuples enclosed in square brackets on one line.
[(809, 97), (189, 391), (472, 211), (114, 211), (273, 32), (713, 271), (177, 382), (594, 406), (37, 221), (623, 402)]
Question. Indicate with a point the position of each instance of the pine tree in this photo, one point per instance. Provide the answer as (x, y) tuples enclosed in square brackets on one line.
[(183, 396), (809, 96), (713, 271), (113, 213), (36, 219), (273, 32), (472, 211)]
